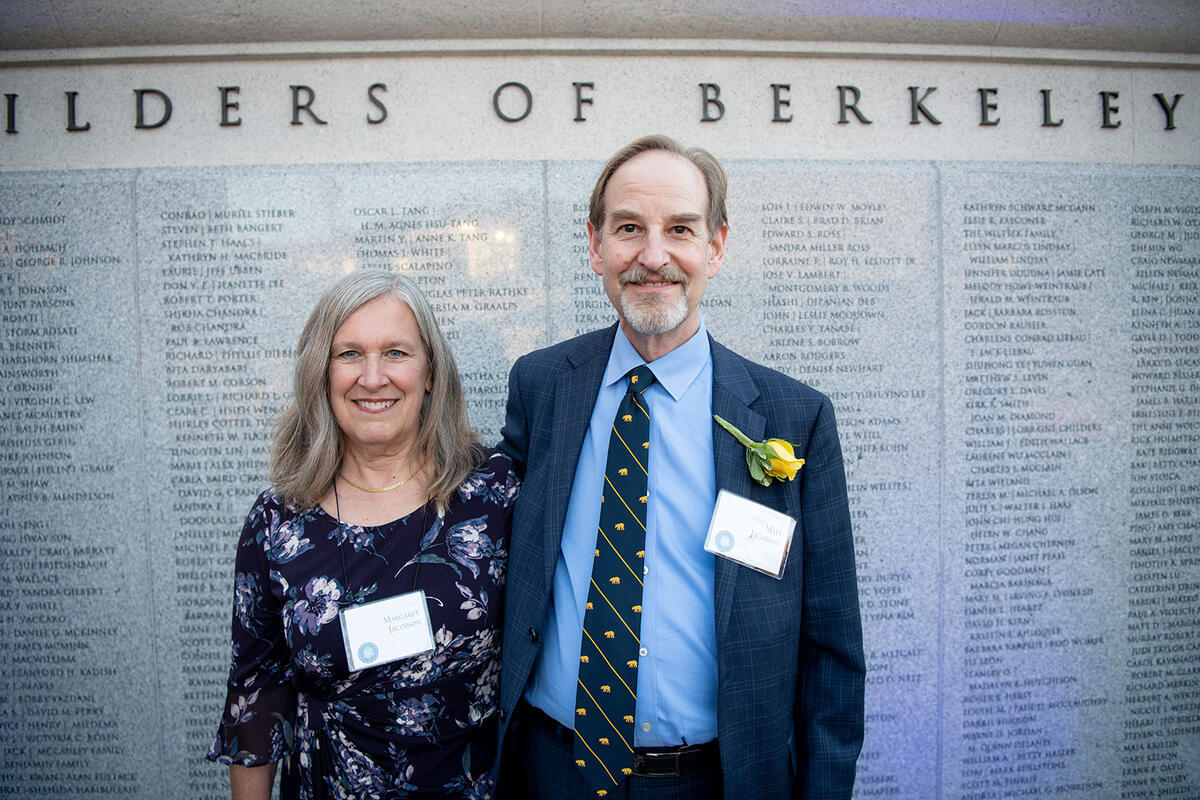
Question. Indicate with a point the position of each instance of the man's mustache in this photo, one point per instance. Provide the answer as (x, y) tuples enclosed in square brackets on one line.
[(638, 275)]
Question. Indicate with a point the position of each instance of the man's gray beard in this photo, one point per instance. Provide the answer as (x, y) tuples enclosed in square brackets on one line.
[(653, 316)]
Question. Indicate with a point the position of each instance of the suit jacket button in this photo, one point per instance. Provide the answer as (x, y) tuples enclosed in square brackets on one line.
[(533, 635), (503, 715)]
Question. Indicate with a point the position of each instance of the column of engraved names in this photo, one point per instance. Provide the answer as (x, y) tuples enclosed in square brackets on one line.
[(1028, 348), (824, 293), (1162, 686), (458, 261), (832, 271), (57, 718), (590, 308), (217, 275)]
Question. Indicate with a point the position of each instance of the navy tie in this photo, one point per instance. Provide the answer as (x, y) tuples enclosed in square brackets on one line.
[(608, 661)]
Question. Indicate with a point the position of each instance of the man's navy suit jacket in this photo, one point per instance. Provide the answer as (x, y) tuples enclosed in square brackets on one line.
[(790, 667)]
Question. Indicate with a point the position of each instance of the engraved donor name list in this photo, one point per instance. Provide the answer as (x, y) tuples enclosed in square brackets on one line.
[(1012, 350)]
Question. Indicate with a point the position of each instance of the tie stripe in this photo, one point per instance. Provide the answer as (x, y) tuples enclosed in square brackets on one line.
[(617, 553), (583, 742), (622, 499), (632, 693), (599, 708), (617, 434), (611, 639), (645, 413), (600, 592)]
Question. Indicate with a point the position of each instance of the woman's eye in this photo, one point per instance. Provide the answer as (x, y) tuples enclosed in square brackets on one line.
[(396, 353), (346, 355)]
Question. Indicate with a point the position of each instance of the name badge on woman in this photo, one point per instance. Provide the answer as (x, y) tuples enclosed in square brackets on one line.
[(386, 630)]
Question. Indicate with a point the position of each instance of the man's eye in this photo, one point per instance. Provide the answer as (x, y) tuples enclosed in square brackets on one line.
[(680, 230), (628, 227)]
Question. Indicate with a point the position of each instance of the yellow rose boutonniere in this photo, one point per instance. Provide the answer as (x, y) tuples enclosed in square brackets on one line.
[(772, 459)]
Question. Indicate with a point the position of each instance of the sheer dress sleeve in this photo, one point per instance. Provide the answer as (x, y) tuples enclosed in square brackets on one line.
[(258, 718)]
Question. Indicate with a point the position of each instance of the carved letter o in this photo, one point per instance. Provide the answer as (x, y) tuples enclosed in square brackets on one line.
[(528, 101)]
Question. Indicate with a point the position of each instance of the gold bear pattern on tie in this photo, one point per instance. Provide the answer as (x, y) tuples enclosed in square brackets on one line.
[(607, 690)]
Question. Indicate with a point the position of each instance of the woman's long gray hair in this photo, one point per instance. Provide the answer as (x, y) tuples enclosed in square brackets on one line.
[(307, 448)]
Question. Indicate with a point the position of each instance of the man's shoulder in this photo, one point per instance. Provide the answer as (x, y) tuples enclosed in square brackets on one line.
[(587, 345)]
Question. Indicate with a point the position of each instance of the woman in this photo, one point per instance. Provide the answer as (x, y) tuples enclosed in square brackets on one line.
[(380, 490)]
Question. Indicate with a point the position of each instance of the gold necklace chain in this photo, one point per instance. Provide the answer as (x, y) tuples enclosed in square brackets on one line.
[(384, 489)]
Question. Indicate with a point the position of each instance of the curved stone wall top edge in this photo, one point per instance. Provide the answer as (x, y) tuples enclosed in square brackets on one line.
[(742, 48), (1172, 27)]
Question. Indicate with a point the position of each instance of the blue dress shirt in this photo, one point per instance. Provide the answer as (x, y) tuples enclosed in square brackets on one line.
[(677, 668)]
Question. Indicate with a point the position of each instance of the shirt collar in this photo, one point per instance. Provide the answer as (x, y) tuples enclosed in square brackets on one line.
[(675, 371)]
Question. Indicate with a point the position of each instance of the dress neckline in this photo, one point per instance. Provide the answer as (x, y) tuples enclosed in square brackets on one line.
[(399, 521)]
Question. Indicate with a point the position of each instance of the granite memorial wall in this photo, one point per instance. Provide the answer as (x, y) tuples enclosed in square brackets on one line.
[(1012, 345)]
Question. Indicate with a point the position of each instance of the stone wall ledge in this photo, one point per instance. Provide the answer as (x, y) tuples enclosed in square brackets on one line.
[(1167, 26), (739, 48)]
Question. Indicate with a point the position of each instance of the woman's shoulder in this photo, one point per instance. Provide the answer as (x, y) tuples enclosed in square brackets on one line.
[(495, 459), (282, 530), (493, 478), (271, 507), (498, 464)]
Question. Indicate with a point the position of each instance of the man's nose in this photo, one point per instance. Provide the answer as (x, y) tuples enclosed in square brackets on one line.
[(654, 251)]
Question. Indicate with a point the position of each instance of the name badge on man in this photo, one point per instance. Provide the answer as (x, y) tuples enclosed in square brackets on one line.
[(750, 534), (386, 630)]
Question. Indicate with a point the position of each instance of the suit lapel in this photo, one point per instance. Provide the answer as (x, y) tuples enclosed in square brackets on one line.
[(575, 390), (733, 392)]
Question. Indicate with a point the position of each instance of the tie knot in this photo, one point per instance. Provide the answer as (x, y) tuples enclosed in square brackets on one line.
[(640, 379)]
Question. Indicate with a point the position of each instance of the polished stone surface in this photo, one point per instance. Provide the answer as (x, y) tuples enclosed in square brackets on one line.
[(1012, 350), (1006, 316)]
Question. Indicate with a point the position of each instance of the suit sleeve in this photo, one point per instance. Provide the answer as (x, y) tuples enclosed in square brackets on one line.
[(514, 436), (828, 713)]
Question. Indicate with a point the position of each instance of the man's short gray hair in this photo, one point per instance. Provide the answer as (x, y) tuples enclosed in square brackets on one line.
[(714, 179)]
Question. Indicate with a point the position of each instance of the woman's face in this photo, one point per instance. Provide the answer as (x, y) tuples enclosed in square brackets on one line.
[(378, 377)]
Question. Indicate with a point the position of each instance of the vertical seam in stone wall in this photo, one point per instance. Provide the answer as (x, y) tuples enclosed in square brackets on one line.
[(549, 336), (937, 245), (141, 367), (1131, 78)]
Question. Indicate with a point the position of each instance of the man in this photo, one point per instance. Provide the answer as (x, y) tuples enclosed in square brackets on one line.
[(743, 685)]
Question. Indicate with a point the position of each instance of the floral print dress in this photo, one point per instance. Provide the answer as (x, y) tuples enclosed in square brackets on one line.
[(423, 726)]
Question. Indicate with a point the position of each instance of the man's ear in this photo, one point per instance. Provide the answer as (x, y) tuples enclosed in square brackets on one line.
[(594, 249), (716, 251)]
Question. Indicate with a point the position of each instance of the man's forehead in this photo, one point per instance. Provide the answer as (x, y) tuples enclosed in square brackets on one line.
[(620, 214), (662, 163), (659, 174)]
